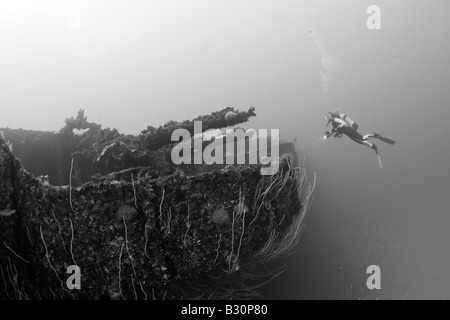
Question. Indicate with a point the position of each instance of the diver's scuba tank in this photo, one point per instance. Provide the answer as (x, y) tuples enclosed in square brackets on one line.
[(349, 121)]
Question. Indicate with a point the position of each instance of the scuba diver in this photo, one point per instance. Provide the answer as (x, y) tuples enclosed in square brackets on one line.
[(342, 124)]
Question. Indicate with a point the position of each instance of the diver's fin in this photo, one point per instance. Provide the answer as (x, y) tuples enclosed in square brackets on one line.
[(386, 140), (375, 148), (379, 161), (381, 138)]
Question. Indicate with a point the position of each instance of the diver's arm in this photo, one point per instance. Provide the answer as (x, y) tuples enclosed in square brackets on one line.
[(337, 134), (339, 124)]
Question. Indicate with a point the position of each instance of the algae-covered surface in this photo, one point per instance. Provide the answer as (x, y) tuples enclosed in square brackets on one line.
[(136, 225)]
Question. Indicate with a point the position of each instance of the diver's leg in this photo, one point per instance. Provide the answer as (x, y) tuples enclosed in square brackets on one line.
[(370, 135), (370, 145), (360, 141), (352, 134)]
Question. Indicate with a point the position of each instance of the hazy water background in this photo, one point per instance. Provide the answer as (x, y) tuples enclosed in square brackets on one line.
[(131, 64)]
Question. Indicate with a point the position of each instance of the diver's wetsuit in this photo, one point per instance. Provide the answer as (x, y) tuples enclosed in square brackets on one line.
[(353, 134), (341, 127)]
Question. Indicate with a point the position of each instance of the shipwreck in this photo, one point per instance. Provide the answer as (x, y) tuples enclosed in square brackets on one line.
[(134, 224)]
